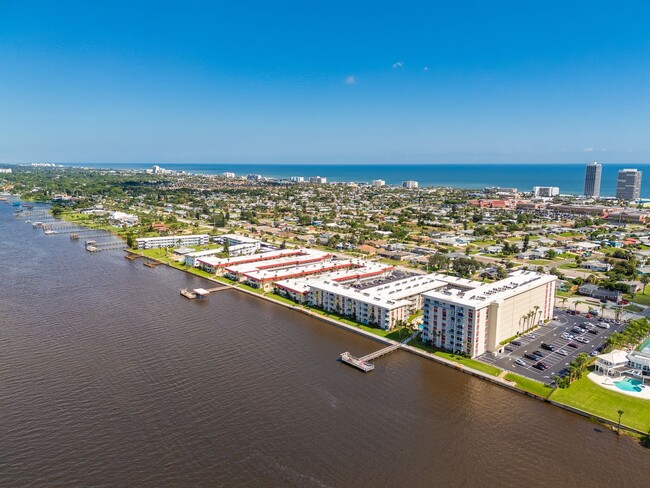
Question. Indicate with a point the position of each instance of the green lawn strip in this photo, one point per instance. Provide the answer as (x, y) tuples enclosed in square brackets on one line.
[(414, 316), (586, 395), (470, 363), (642, 298), (542, 262), (632, 308), (565, 293), (529, 385)]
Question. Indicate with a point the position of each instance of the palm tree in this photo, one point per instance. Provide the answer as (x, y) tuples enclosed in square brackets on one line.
[(564, 300), (645, 279), (620, 414), (602, 309), (536, 307)]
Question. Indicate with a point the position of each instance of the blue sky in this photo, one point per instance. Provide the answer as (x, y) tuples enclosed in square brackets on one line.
[(320, 82)]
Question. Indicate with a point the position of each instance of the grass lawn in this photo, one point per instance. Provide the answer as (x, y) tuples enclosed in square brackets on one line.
[(642, 298), (470, 363), (588, 396), (542, 262), (529, 385), (565, 293), (632, 308)]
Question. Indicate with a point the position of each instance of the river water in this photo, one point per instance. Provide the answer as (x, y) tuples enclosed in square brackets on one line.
[(108, 377)]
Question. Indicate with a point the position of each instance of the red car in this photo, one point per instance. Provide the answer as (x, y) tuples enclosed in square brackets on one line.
[(588, 316), (573, 345)]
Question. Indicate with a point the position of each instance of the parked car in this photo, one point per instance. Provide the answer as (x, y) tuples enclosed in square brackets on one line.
[(602, 300), (548, 347), (593, 331), (538, 353), (509, 349), (515, 343), (582, 339), (603, 325), (573, 345), (530, 356), (562, 352), (520, 362), (588, 316), (567, 336), (593, 353), (577, 330), (541, 366)]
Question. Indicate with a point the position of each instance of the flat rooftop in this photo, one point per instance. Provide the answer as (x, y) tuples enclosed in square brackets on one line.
[(517, 282)]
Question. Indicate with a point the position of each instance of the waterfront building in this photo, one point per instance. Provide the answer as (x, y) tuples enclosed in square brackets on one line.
[(319, 180), (298, 289), (378, 183), (228, 174), (628, 184), (546, 191), (384, 305), (172, 241), (297, 179), (410, 184), (473, 318), (5, 170), (592, 179), (241, 243), (218, 265), (254, 177)]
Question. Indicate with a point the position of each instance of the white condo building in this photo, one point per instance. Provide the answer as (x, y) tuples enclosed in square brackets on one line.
[(472, 318), (410, 184), (297, 179), (173, 241), (546, 191), (378, 183)]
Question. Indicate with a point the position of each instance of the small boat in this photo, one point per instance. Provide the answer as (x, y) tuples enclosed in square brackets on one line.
[(49, 232), (16, 204)]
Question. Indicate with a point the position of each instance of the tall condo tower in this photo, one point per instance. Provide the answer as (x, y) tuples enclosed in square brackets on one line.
[(592, 179), (628, 184)]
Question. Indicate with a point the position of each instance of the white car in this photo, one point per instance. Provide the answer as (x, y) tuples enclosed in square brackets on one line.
[(567, 336), (520, 362), (603, 325), (562, 352)]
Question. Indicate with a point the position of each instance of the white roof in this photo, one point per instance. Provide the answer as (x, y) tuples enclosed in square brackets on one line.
[(615, 357), (478, 296)]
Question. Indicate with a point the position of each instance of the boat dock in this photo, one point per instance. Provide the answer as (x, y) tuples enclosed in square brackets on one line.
[(94, 246), (201, 292), (365, 363)]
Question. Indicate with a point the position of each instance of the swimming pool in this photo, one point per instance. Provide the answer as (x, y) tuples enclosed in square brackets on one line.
[(629, 384)]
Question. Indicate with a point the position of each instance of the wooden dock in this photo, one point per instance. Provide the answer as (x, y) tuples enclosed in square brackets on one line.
[(201, 292), (151, 264), (365, 363)]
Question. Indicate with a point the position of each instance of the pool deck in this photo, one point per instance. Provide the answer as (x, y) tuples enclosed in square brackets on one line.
[(607, 382)]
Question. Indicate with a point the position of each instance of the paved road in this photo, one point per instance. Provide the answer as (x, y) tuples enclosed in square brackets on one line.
[(551, 333)]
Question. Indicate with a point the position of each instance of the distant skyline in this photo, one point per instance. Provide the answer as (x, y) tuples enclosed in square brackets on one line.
[(341, 82)]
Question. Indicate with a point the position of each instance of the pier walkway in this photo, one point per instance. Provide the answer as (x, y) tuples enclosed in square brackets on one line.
[(365, 363), (202, 292)]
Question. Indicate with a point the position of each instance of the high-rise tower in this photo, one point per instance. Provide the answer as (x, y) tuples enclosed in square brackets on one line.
[(592, 179), (628, 184)]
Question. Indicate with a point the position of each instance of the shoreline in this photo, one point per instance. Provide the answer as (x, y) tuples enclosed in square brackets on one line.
[(496, 380)]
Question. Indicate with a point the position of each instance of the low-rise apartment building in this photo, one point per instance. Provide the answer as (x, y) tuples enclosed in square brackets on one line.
[(173, 241)]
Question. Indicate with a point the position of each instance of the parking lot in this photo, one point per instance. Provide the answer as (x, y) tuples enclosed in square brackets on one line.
[(551, 333)]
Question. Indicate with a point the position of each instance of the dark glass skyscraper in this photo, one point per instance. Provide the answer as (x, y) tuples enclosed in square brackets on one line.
[(592, 179)]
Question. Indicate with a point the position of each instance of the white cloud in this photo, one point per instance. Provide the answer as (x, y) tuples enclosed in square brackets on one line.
[(588, 149), (399, 64), (426, 68), (350, 80)]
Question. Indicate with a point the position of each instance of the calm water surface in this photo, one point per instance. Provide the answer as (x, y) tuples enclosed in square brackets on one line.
[(108, 377)]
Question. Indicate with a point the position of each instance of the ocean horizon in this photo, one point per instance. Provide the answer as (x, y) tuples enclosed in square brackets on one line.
[(569, 177)]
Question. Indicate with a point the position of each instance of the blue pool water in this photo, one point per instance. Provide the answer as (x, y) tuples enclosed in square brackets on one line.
[(628, 384)]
